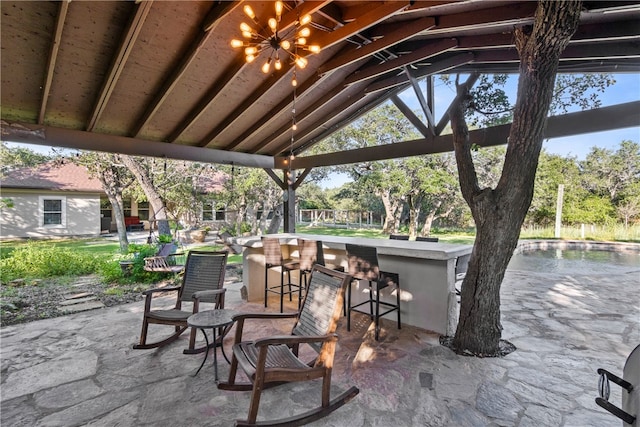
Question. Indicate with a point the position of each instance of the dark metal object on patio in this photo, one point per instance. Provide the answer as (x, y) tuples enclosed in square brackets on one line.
[(426, 239), (273, 258), (274, 360), (311, 253), (399, 236), (630, 393), (220, 322), (202, 281), (363, 265)]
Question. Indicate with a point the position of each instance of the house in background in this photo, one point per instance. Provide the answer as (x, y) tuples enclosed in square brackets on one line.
[(51, 200), (61, 200)]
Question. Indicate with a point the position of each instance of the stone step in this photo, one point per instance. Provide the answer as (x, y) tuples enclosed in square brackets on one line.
[(84, 306), (78, 300), (76, 296)]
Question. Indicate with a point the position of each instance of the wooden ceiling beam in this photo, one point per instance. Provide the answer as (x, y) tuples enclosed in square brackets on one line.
[(597, 120), (228, 75), (286, 102), (53, 56), (430, 49), (364, 21), (404, 32), (258, 93), (516, 14), (122, 55), (288, 20), (598, 51), (93, 141), (435, 68), (211, 20), (372, 102), (421, 100), (410, 115), (312, 127), (300, 116)]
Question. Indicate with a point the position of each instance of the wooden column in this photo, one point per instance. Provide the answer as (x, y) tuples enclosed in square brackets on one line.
[(289, 199)]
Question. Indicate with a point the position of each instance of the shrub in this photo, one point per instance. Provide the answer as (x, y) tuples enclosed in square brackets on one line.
[(111, 272), (39, 261)]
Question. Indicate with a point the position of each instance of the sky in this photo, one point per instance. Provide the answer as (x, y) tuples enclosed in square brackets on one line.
[(626, 89)]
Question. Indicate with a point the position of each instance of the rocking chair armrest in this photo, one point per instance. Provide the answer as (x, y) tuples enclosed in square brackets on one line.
[(239, 319), (293, 339), (243, 316), (201, 294), (155, 290)]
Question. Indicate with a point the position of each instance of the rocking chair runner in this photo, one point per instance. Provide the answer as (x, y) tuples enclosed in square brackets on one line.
[(273, 361), (202, 281)]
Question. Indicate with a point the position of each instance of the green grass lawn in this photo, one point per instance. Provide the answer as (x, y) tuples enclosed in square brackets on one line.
[(95, 246)]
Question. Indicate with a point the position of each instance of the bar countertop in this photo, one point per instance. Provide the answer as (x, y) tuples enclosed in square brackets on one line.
[(411, 249)]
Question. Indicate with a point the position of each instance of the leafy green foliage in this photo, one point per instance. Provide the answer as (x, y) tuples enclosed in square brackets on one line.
[(12, 158), (35, 260)]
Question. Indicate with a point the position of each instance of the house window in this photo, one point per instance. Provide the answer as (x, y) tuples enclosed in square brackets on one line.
[(126, 207), (105, 208), (143, 211), (207, 211), (53, 211), (221, 214)]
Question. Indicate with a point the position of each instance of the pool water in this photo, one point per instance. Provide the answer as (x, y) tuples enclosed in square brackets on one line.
[(576, 261)]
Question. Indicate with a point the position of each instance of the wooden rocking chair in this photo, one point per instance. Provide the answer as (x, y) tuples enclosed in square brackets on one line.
[(274, 360), (202, 281)]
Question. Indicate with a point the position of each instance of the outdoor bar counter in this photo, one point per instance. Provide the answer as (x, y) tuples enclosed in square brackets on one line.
[(426, 269)]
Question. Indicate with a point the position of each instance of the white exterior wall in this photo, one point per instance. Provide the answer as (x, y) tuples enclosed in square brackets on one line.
[(81, 215)]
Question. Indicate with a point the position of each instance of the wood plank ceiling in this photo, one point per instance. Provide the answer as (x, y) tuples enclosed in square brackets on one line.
[(161, 78)]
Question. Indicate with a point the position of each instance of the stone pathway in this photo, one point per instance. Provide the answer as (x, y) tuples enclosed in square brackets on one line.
[(80, 369), (80, 301)]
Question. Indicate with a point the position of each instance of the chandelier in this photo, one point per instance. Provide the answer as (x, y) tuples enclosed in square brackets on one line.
[(281, 44)]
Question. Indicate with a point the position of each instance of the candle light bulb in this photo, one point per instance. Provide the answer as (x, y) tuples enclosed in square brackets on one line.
[(305, 19), (249, 12)]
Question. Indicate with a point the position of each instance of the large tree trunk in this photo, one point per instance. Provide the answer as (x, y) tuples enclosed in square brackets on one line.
[(276, 220), (389, 217), (500, 212), (431, 215), (415, 203), (114, 194), (156, 202)]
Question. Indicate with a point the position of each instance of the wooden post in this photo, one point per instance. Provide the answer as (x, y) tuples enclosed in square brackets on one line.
[(559, 210), (289, 205)]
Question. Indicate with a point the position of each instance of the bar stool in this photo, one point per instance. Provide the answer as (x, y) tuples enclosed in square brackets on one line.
[(363, 265), (311, 253), (273, 258)]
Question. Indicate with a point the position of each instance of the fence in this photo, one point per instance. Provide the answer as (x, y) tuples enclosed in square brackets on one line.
[(339, 218)]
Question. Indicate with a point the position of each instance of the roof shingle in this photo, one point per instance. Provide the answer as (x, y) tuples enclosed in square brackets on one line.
[(53, 176)]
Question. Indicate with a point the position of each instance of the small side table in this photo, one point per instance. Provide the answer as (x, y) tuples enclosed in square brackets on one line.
[(214, 319)]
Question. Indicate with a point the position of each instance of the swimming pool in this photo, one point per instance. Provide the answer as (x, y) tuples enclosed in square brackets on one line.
[(577, 261)]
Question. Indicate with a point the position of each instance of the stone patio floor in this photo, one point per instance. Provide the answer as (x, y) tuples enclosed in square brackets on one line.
[(80, 369)]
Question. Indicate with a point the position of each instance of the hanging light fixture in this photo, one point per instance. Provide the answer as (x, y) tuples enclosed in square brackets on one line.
[(281, 44)]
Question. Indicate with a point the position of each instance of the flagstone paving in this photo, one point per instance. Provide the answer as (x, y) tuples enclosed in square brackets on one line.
[(80, 369)]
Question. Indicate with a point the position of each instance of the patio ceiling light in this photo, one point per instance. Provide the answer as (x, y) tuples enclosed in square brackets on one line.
[(286, 43)]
